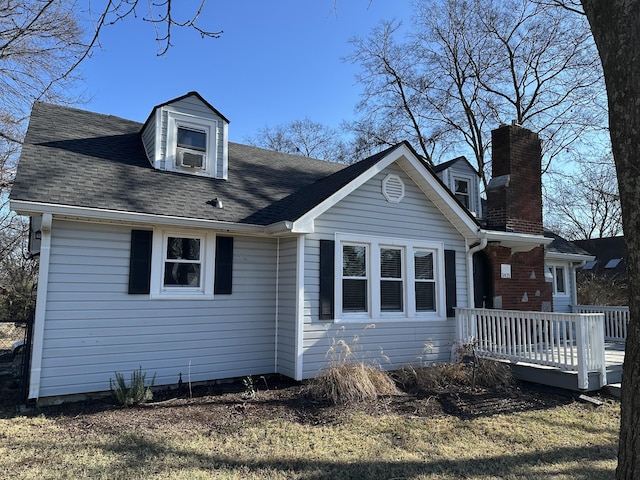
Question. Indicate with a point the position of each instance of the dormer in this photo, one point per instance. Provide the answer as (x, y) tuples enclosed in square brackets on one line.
[(464, 181), (187, 135)]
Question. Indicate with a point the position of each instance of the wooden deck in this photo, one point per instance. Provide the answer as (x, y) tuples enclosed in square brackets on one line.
[(556, 377), (579, 351)]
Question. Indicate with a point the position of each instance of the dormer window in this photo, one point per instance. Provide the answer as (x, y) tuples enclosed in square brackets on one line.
[(192, 145), (187, 135), (191, 149), (461, 191)]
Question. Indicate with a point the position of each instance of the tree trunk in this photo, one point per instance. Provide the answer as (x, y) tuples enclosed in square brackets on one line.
[(616, 29)]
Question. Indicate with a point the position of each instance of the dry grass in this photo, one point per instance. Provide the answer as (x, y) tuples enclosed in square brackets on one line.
[(439, 377), (571, 441), (351, 383)]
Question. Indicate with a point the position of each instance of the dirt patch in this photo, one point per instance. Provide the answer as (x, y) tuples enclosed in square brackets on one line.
[(224, 407)]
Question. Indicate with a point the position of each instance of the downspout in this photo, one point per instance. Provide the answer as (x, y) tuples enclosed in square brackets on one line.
[(470, 292), (574, 281), (277, 302), (41, 307)]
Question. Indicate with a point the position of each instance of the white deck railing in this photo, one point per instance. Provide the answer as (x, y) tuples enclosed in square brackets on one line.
[(568, 341), (616, 320)]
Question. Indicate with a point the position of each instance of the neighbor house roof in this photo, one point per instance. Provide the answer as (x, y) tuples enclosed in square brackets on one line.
[(562, 248), (610, 256)]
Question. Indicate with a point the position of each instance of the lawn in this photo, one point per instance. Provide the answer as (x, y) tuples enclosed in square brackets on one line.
[(278, 433)]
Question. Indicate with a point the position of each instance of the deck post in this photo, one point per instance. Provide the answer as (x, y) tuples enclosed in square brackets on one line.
[(581, 344)]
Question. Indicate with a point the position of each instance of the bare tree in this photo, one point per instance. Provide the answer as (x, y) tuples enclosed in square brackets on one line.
[(615, 26), (585, 203), (469, 66), (304, 137), (42, 42)]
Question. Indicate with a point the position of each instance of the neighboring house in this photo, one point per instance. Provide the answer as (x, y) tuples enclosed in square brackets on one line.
[(165, 246), (609, 257)]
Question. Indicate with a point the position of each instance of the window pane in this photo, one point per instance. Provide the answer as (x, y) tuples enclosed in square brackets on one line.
[(183, 248), (354, 295), (425, 297), (390, 296), (194, 139), (461, 186), (354, 260), (560, 280), (390, 263), (423, 265), (182, 274)]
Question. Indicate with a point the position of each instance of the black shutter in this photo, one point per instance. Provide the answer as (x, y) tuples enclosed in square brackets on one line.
[(224, 266), (450, 281), (140, 261), (327, 252)]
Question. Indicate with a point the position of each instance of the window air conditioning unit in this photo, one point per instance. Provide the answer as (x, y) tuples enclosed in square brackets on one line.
[(189, 159)]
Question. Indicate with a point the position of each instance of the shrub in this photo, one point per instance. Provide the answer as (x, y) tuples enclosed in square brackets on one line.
[(347, 380), (351, 383), (137, 391), (468, 372)]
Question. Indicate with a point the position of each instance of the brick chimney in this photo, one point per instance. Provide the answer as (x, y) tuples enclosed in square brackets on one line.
[(514, 204), (514, 194)]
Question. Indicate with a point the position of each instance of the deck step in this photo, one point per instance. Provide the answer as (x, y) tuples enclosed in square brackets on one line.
[(614, 389)]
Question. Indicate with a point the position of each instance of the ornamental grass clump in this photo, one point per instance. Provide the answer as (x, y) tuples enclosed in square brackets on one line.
[(137, 391), (347, 380)]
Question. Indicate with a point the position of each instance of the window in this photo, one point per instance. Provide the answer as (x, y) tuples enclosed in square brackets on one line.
[(192, 139), (558, 275), (191, 144), (391, 283), (183, 262), (388, 278), (425, 282), (354, 278), (613, 263), (590, 265), (461, 191)]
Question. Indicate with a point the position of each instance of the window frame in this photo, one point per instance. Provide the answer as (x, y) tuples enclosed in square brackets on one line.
[(470, 191), (176, 121), (553, 272), (374, 308), (159, 259)]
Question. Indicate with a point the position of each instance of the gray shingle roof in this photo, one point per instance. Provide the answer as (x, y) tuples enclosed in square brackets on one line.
[(561, 245), (80, 158)]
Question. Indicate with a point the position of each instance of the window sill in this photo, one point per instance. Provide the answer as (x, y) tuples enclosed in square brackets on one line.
[(180, 296), (390, 318)]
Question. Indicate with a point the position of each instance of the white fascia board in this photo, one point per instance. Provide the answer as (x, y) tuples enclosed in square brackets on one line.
[(440, 196), (96, 214), (305, 220), (517, 242)]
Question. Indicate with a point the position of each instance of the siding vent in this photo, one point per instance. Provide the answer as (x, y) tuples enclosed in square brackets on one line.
[(393, 188)]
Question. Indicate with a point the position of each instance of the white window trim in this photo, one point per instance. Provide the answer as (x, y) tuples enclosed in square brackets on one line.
[(158, 290), (470, 188), (210, 127), (565, 274), (374, 312)]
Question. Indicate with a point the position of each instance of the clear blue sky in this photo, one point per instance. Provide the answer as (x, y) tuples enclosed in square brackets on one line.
[(276, 62)]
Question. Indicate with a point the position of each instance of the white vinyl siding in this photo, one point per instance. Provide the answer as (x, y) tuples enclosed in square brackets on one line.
[(94, 328), (402, 340)]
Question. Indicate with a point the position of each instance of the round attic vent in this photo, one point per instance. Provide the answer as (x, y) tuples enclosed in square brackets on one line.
[(393, 188)]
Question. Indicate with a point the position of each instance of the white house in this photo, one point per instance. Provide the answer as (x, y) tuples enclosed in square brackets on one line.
[(166, 247)]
